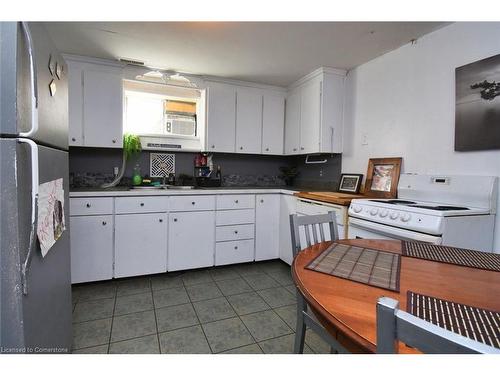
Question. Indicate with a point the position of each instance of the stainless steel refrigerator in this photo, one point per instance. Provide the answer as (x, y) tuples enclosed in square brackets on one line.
[(35, 291)]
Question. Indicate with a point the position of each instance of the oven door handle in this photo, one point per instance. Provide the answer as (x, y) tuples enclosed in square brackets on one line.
[(393, 231)]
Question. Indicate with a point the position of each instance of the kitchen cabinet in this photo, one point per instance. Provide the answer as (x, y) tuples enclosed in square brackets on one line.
[(288, 206), (140, 244), (273, 124), (310, 116), (191, 240), (221, 117), (248, 120), (91, 248), (267, 226), (292, 123)]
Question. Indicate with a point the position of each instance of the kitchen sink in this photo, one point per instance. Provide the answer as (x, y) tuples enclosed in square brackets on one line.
[(162, 187)]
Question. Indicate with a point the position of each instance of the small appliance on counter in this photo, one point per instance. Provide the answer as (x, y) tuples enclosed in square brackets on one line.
[(203, 171)]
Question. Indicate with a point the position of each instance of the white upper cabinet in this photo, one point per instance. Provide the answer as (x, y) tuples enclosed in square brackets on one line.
[(221, 117), (292, 123), (273, 124), (310, 116), (248, 120)]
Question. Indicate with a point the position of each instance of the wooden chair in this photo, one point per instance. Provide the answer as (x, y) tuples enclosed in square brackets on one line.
[(314, 232), (395, 325)]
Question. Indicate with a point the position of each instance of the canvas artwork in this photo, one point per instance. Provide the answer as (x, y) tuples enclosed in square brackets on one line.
[(51, 221), (477, 113), (382, 177)]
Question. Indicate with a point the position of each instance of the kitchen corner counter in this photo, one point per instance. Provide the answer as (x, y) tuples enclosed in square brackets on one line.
[(329, 197)]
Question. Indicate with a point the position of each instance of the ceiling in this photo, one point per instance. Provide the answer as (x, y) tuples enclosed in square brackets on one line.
[(275, 53)]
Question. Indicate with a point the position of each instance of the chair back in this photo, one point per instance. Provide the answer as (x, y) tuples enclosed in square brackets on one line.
[(314, 230), (395, 325)]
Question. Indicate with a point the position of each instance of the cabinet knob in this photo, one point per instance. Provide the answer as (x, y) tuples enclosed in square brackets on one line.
[(88, 205), (213, 146), (302, 148), (193, 203), (175, 220), (267, 148), (241, 147), (114, 141), (73, 139), (236, 248), (161, 220), (294, 149), (236, 201), (103, 223), (235, 232), (142, 204), (262, 201)]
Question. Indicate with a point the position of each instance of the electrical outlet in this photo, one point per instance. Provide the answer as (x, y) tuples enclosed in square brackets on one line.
[(364, 140), (321, 173), (115, 171)]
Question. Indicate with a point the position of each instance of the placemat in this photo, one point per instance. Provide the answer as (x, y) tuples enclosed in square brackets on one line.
[(452, 255), (472, 322), (367, 266)]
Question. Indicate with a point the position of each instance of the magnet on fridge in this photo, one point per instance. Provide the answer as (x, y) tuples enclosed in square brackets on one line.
[(52, 66), (59, 70), (52, 87)]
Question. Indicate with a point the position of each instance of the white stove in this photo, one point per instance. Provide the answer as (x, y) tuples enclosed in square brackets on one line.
[(449, 210)]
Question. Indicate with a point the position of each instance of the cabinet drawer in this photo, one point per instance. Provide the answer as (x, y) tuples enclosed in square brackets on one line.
[(235, 202), (234, 232), (132, 205), (234, 252), (90, 206), (233, 217), (193, 203)]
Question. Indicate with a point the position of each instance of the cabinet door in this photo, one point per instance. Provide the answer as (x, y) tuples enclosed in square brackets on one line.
[(221, 118), (102, 108), (191, 240), (248, 120), (75, 105), (310, 117), (91, 248), (267, 226), (273, 124), (140, 244), (288, 206), (292, 123)]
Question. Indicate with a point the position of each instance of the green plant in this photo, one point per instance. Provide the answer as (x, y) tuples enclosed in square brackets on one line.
[(131, 145)]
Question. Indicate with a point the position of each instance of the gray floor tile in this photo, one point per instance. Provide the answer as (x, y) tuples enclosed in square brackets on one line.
[(101, 349), (288, 314), (281, 345), (233, 286), (133, 325), (247, 349), (247, 303), (316, 343), (133, 286), (190, 340), (174, 317), (265, 325), (133, 303), (277, 297), (274, 266), (170, 297), (282, 277), (196, 277), (292, 289), (227, 334), (93, 333), (166, 281), (223, 273), (101, 290), (247, 269), (140, 345), (260, 281), (213, 309), (204, 291), (92, 310)]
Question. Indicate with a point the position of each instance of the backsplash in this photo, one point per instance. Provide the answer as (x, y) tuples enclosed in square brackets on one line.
[(91, 167)]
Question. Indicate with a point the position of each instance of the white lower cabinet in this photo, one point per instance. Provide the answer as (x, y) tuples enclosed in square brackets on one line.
[(191, 240), (91, 248), (140, 244), (234, 252), (267, 226)]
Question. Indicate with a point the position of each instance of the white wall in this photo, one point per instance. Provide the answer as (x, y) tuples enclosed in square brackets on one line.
[(404, 104)]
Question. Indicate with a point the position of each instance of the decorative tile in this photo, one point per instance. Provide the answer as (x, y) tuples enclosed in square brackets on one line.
[(223, 273), (170, 297), (101, 349), (213, 309), (234, 286), (93, 309), (93, 333), (281, 345), (277, 297), (227, 334), (133, 286), (196, 277), (260, 281), (265, 325), (140, 345), (174, 317), (166, 281), (247, 303), (190, 340), (133, 303), (288, 314), (133, 325), (247, 349), (201, 292), (101, 290)]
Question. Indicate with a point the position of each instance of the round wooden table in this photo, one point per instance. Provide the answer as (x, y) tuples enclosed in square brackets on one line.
[(347, 309)]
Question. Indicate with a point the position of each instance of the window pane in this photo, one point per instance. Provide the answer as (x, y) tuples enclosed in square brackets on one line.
[(144, 114)]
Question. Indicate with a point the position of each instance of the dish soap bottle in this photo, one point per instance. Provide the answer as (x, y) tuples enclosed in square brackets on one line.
[(136, 177)]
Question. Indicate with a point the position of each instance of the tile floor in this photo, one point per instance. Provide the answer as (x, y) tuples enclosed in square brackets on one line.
[(245, 308)]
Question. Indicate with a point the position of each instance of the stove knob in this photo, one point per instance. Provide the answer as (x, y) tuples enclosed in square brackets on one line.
[(356, 209), (394, 215), (383, 213), (405, 217), (374, 211)]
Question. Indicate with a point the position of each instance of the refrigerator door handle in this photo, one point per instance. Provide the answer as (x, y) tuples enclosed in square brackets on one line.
[(33, 81), (34, 211)]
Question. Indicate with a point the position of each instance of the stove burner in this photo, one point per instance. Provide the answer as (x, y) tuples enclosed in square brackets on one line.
[(441, 208), (394, 201)]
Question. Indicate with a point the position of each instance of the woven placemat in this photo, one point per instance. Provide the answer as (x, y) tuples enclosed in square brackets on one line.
[(469, 321), (367, 266), (452, 255)]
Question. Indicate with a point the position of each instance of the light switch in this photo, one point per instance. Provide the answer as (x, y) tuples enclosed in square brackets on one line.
[(364, 140)]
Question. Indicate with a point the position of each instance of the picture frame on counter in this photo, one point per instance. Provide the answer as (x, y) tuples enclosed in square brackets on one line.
[(382, 177), (350, 183)]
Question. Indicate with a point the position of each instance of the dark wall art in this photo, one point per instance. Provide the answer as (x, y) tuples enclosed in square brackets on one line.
[(477, 113)]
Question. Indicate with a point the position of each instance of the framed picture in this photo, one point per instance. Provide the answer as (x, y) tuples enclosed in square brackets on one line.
[(382, 177), (350, 183)]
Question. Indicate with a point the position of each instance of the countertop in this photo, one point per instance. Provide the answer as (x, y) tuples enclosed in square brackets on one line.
[(330, 197)]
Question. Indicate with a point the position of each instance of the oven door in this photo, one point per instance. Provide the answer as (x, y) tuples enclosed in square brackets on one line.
[(359, 228)]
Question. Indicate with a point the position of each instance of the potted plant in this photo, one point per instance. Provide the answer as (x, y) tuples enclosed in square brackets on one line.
[(131, 147)]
